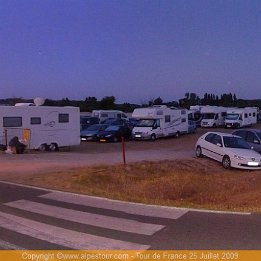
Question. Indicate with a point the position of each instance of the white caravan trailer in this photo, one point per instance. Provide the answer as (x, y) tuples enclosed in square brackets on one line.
[(106, 114), (159, 121), (42, 127), (213, 116), (240, 117)]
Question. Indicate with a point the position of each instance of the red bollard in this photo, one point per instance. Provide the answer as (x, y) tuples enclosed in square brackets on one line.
[(123, 151)]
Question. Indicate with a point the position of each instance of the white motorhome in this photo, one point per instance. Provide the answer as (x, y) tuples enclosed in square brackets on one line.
[(109, 114), (240, 117), (159, 121), (41, 127), (213, 116)]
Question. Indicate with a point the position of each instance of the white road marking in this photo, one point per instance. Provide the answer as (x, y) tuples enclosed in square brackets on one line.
[(61, 236), (127, 207), (116, 223), (4, 245)]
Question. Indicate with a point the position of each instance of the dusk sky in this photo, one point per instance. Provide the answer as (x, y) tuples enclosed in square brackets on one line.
[(135, 50)]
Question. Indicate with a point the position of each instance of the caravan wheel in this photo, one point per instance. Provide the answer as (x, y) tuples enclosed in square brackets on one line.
[(53, 147), (43, 147)]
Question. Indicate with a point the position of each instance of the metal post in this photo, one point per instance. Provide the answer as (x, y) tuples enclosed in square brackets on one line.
[(123, 151)]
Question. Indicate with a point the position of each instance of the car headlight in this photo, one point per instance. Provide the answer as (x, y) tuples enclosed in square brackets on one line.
[(109, 135), (238, 157)]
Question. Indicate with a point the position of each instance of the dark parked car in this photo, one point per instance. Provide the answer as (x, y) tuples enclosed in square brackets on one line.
[(91, 132), (87, 121), (252, 136), (114, 133)]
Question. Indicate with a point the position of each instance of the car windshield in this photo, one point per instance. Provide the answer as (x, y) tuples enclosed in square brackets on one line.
[(208, 116), (235, 142), (145, 123), (259, 135), (112, 128), (94, 127), (232, 116)]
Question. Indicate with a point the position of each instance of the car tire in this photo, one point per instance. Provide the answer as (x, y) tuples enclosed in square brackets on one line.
[(43, 147), (199, 152), (153, 137), (53, 147), (226, 162)]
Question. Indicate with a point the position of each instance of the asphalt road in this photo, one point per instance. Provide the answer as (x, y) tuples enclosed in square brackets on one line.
[(32, 218)]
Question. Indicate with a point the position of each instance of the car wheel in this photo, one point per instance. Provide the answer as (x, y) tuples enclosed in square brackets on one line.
[(43, 147), (53, 147), (199, 152), (226, 162), (153, 137)]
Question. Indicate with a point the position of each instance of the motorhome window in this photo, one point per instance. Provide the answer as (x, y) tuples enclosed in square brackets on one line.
[(160, 112), (35, 120), (104, 115), (249, 114), (167, 118), (119, 115), (254, 114), (183, 112), (207, 116), (223, 114), (232, 116), (12, 121), (216, 116), (157, 123), (63, 117), (145, 123), (246, 115), (183, 120)]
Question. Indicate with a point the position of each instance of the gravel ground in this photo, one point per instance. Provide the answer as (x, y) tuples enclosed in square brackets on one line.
[(93, 153)]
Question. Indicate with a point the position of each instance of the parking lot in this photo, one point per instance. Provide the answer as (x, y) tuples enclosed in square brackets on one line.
[(93, 153)]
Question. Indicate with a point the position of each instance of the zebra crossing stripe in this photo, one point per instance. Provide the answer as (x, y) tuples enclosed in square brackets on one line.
[(8, 246), (127, 207), (119, 224), (63, 237)]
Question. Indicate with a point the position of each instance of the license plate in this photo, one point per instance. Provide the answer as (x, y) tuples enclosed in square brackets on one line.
[(252, 164)]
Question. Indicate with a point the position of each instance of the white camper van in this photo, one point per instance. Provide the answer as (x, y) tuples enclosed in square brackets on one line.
[(42, 127), (213, 116), (240, 117), (159, 121), (106, 114)]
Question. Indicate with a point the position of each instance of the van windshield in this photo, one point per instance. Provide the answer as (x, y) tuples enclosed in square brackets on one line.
[(145, 123), (207, 116), (232, 116)]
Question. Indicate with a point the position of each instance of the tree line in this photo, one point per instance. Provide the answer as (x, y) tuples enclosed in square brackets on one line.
[(109, 102)]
